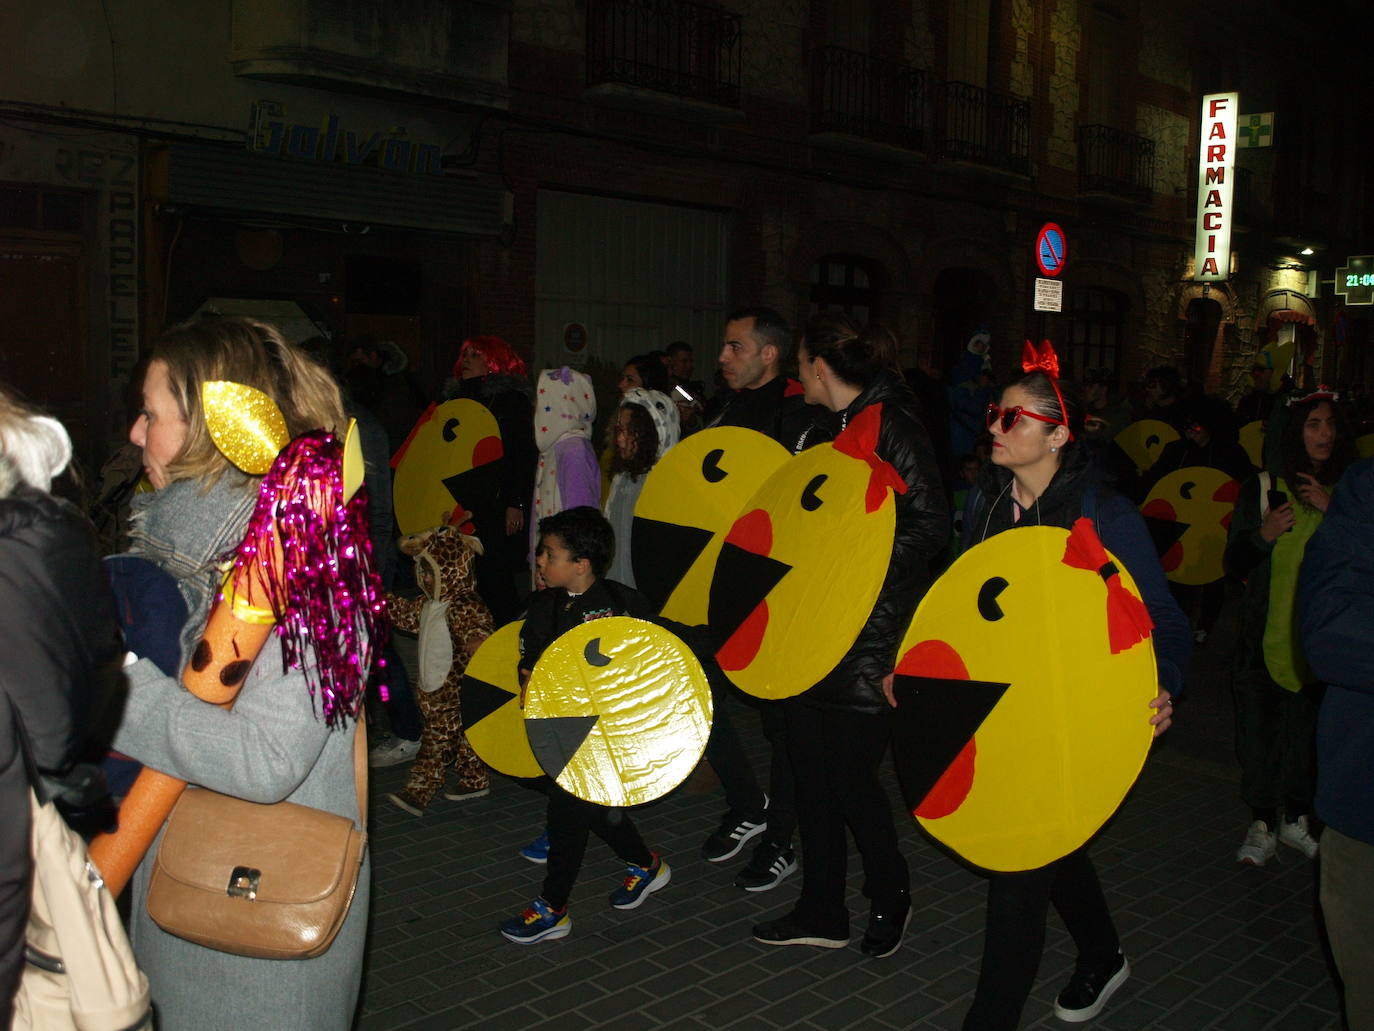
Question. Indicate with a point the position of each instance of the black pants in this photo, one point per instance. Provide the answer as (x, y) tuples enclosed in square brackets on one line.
[(835, 757), (569, 820), (1014, 937), (725, 752), (1276, 744)]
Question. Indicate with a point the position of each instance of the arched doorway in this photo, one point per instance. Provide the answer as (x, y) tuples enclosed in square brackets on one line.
[(1201, 331)]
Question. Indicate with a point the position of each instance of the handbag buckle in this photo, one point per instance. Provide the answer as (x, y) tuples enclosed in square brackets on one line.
[(243, 883)]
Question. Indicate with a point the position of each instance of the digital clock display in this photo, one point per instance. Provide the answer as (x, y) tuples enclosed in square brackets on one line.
[(1355, 280)]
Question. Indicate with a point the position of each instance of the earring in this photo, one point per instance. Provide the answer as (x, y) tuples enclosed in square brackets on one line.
[(1053, 449)]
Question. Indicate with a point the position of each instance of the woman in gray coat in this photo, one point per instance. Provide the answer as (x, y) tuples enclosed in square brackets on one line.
[(272, 745)]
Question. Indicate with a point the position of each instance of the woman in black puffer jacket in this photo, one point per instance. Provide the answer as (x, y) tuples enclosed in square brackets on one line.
[(839, 729), (59, 647)]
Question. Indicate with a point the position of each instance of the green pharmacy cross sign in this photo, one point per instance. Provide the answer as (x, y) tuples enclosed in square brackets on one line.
[(1355, 282)]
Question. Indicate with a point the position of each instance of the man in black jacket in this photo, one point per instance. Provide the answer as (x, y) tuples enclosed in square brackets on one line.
[(757, 343)]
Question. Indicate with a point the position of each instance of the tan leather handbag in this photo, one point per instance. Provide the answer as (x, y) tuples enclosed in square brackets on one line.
[(269, 881)]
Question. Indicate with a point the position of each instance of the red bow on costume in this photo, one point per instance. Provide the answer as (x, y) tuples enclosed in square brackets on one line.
[(1043, 360), (859, 440), (1128, 621)]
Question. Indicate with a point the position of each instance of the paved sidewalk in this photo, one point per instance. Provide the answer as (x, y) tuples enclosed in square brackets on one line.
[(1212, 944)]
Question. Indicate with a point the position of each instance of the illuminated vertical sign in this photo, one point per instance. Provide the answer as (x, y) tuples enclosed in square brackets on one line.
[(1216, 171)]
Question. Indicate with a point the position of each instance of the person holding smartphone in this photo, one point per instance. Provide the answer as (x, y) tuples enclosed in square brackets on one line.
[(1276, 694)]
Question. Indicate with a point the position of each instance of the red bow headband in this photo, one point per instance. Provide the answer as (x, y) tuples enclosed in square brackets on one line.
[(1128, 620), (860, 440), (1046, 361)]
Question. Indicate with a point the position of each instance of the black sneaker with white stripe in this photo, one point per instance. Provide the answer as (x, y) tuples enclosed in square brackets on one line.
[(730, 837), (770, 863), (1090, 988)]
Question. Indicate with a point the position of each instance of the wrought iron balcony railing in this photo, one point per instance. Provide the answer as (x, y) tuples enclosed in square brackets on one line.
[(985, 127), (1115, 163), (678, 47), (865, 96)]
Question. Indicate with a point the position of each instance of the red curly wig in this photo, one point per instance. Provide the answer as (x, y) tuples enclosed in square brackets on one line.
[(501, 357)]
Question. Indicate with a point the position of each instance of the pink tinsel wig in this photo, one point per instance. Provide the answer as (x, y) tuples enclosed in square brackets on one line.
[(501, 357)]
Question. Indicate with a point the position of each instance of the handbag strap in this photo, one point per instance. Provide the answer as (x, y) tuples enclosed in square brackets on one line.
[(360, 766)]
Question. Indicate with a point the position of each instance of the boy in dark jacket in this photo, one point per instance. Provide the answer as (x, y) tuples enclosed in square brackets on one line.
[(575, 547)]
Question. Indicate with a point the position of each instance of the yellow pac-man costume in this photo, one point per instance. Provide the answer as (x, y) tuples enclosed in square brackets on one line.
[(445, 464), (618, 711), (802, 565), (690, 500), (1144, 439), (1188, 512), (490, 695), (1022, 685)]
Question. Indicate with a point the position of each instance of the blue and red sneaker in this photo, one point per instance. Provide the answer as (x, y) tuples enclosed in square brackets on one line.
[(640, 881), (538, 922)]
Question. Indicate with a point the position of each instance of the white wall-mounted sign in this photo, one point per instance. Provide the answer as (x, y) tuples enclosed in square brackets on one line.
[(1216, 172), (1049, 294)]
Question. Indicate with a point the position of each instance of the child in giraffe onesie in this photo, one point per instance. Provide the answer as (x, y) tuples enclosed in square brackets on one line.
[(451, 621)]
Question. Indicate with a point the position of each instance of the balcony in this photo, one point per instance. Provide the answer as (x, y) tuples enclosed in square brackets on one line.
[(986, 128), (1115, 166), (451, 52), (860, 99), (672, 57)]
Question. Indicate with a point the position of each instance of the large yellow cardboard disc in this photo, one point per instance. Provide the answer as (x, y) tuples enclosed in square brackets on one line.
[(354, 468), (618, 711), (490, 697), (1144, 439), (1252, 440), (439, 469), (798, 573), (1055, 757), (687, 505), (1199, 502)]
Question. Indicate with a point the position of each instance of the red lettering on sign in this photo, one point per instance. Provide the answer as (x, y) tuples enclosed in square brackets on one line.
[(1213, 199), (1209, 267), (1214, 175), (1218, 131), (1211, 220), (1216, 105), (1216, 152)]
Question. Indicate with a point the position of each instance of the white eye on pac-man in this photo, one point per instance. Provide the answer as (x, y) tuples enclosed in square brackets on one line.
[(687, 506), (1023, 687), (802, 565), (618, 711), (446, 463)]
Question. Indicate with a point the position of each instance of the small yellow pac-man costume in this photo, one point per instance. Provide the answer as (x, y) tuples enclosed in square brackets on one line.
[(445, 464), (1144, 439), (688, 504), (1023, 687), (490, 700), (618, 711), (802, 565), (1188, 513)]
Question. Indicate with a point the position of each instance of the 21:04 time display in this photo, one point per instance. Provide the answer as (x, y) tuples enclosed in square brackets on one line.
[(1359, 279)]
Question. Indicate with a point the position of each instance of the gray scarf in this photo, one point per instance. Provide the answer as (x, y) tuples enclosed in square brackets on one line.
[(186, 530)]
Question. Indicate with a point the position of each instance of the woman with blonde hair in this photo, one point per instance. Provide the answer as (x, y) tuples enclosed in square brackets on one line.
[(278, 742)]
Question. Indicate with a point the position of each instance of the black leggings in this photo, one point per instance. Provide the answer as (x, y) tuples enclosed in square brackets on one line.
[(1014, 937), (569, 820)]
